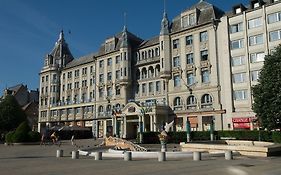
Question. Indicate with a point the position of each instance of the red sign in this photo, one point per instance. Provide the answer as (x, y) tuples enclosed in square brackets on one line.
[(241, 120), (241, 125)]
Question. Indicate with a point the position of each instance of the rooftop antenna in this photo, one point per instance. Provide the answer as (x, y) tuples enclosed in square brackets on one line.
[(125, 20), (164, 6)]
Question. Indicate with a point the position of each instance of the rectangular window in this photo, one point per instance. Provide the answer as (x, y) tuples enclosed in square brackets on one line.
[(177, 81), (255, 40), (188, 20), (150, 87), (158, 86), (101, 92), (204, 55), (101, 64), (118, 59), (275, 17), (189, 58), (109, 76), (257, 57), (47, 78), (236, 28), (118, 75), (109, 61), (203, 36), (190, 78), (239, 77), (238, 61), (176, 61), (240, 95), (255, 75), (189, 40), (101, 78), (275, 35), (237, 44), (109, 91), (253, 23), (176, 43), (43, 79), (117, 90), (143, 88), (205, 76)]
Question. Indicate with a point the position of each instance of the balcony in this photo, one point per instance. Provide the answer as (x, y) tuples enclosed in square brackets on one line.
[(148, 61)]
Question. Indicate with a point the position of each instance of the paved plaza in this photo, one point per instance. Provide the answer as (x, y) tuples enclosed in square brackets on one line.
[(36, 159)]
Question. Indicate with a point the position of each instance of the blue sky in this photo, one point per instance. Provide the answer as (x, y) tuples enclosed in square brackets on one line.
[(30, 28)]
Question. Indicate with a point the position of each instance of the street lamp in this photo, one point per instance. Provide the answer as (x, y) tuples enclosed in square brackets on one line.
[(188, 130)]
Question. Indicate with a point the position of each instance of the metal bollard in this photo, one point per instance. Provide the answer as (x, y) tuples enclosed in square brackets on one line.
[(98, 155), (161, 156), (127, 156), (75, 155), (59, 153), (228, 155), (196, 156), (163, 147)]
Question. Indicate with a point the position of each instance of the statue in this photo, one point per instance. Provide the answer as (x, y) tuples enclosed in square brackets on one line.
[(163, 136)]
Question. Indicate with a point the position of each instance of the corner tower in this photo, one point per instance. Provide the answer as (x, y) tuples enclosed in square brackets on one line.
[(50, 78)]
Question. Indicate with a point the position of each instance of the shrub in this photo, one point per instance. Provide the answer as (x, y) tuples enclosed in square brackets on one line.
[(34, 136), (9, 137), (21, 133), (276, 137)]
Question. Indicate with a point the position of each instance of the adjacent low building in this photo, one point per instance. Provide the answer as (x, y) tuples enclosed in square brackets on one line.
[(199, 69)]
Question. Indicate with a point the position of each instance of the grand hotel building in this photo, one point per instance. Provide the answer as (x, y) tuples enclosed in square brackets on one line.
[(200, 68)]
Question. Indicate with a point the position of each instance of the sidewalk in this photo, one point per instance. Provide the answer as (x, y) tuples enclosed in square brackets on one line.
[(36, 159)]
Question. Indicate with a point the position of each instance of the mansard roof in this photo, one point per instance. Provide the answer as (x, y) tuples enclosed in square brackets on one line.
[(133, 41), (61, 48), (150, 42), (80, 61), (205, 13)]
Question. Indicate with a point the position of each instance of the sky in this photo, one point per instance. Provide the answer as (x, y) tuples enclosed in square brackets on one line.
[(30, 28)]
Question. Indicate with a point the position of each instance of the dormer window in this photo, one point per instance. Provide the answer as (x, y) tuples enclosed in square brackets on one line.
[(188, 20), (238, 10), (256, 5)]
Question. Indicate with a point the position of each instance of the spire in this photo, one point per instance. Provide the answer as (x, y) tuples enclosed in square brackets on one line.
[(124, 39), (164, 22)]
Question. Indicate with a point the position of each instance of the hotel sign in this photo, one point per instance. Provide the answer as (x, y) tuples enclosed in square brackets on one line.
[(241, 120), (131, 109)]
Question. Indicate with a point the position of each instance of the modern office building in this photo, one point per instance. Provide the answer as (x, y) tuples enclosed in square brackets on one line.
[(200, 68)]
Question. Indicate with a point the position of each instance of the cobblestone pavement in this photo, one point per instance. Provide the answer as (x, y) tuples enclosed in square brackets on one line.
[(36, 159)]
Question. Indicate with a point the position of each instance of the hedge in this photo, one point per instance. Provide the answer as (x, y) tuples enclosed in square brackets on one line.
[(177, 137)]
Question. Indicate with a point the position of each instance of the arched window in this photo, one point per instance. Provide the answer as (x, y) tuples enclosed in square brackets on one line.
[(108, 110), (152, 53), (150, 72), (157, 51), (100, 110), (142, 55), (149, 53), (206, 101), (177, 104), (157, 70), (191, 102), (143, 73), (138, 74)]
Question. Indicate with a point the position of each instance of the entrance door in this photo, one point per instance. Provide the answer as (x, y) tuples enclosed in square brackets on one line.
[(132, 130)]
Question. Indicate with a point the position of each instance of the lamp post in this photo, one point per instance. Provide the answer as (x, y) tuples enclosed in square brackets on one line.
[(142, 114), (212, 130), (188, 131)]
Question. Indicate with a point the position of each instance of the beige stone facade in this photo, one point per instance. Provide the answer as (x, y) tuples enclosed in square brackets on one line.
[(191, 71)]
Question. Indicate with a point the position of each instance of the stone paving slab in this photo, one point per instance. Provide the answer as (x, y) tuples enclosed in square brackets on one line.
[(36, 159)]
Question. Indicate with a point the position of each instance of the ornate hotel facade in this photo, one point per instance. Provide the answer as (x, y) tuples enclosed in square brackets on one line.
[(200, 68)]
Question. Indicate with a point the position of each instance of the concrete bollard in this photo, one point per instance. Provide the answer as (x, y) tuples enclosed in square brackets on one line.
[(196, 156), (127, 156), (59, 153), (161, 156), (228, 155), (75, 155), (98, 155)]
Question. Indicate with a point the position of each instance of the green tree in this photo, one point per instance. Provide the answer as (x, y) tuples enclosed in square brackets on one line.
[(11, 114), (267, 93)]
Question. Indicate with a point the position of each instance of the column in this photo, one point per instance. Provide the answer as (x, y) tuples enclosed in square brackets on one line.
[(143, 123), (114, 125), (155, 123), (200, 126), (125, 127), (151, 123), (104, 128)]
